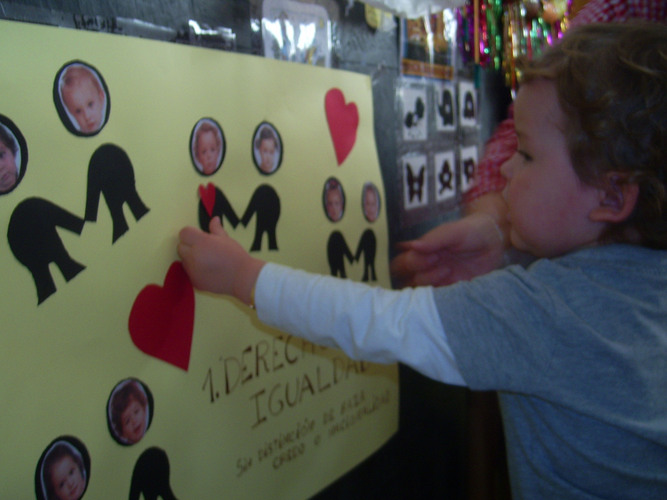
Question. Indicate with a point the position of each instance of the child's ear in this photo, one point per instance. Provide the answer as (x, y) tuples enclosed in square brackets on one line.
[(617, 198)]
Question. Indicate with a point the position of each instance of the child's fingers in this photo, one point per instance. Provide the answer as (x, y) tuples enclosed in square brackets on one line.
[(215, 226), (189, 236)]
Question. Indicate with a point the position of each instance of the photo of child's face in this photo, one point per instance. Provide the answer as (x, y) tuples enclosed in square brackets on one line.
[(207, 146), (267, 152), (84, 99), (133, 421), (8, 171), (129, 409), (208, 151), (334, 204), (371, 205), (266, 148), (67, 480)]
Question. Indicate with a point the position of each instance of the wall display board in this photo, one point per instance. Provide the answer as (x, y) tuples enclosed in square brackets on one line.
[(118, 379)]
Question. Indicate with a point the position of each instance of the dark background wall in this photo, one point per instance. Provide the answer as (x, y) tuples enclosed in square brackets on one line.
[(449, 444)]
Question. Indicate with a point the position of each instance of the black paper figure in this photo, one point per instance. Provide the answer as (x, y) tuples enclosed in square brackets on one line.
[(446, 109), (366, 247), (469, 169), (445, 177), (266, 204), (150, 476), (221, 208), (110, 173), (413, 117), (337, 249), (415, 183), (469, 106), (35, 243)]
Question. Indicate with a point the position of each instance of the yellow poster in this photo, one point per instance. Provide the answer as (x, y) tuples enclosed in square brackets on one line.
[(118, 379)]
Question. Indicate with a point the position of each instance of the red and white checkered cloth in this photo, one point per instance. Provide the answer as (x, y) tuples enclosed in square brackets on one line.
[(502, 144), (604, 11)]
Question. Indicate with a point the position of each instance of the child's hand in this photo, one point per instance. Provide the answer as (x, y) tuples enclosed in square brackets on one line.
[(216, 263)]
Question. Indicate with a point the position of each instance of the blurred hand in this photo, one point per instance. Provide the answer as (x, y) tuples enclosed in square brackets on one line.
[(217, 263), (451, 252)]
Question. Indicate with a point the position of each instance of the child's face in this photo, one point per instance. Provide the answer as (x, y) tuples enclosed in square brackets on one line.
[(8, 173), (267, 152), (334, 204), (133, 420), (208, 152), (85, 101), (370, 204), (549, 206), (66, 478)]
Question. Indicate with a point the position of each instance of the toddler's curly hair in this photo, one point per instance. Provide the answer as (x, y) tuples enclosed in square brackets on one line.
[(611, 81)]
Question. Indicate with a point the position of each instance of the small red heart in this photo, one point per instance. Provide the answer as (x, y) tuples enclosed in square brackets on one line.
[(162, 318), (343, 120), (207, 196)]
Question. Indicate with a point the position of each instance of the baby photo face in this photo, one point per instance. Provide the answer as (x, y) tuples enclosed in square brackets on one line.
[(207, 146), (267, 150), (13, 155), (63, 470), (81, 98)]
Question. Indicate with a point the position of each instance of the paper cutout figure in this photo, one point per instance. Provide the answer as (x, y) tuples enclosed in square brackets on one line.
[(413, 118), (343, 120), (266, 204), (445, 177), (367, 246), (150, 476), (468, 167), (415, 182), (446, 109), (468, 170), (110, 173), (129, 411), (469, 106), (35, 243), (162, 318), (337, 250), (213, 202), (63, 470)]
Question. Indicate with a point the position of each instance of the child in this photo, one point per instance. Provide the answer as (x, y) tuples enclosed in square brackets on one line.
[(266, 149), (334, 200), (9, 170), (575, 345), (208, 148), (129, 413), (371, 202), (63, 473), (84, 98)]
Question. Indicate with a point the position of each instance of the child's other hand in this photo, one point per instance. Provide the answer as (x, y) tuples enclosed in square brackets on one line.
[(216, 263)]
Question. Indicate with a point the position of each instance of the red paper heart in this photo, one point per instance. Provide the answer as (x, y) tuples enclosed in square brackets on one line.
[(343, 120), (162, 318), (207, 196)]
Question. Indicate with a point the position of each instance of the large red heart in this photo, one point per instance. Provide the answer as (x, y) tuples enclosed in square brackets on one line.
[(162, 318), (207, 196), (343, 120)]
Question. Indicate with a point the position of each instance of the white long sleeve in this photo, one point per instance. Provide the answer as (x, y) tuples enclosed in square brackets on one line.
[(368, 323)]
